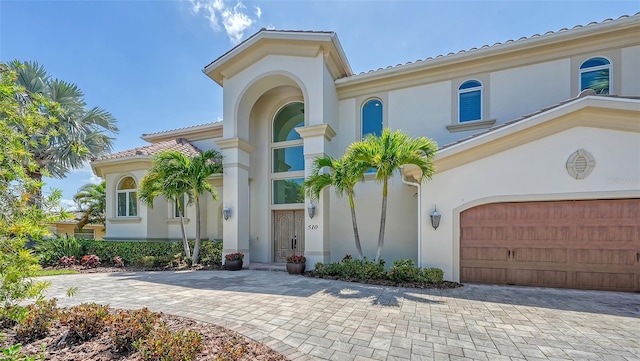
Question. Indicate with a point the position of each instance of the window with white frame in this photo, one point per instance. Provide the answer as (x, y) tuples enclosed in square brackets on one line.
[(470, 101), (126, 198), (287, 155), (372, 118), (595, 73), (179, 207)]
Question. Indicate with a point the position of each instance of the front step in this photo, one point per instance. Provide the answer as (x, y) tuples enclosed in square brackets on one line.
[(278, 267)]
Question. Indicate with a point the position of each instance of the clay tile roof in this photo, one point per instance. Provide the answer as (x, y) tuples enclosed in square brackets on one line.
[(527, 116), (486, 46), (183, 128), (181, 145)]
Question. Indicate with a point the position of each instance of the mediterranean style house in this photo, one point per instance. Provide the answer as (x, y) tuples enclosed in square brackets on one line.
[(537, 175)]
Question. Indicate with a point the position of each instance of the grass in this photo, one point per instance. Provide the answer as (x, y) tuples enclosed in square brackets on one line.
[(54, 272)]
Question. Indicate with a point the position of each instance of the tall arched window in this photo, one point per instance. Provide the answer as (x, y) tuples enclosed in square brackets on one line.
[(372, 118), (287, 170), (595, 74), (470, 101), (127, 200)]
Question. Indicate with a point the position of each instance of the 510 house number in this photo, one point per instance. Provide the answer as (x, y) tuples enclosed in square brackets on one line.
[(312, 227)]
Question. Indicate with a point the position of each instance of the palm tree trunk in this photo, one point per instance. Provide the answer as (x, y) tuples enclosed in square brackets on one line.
[(35, 198), (196, 247), (383, 219), (354, 222), (185, 242)]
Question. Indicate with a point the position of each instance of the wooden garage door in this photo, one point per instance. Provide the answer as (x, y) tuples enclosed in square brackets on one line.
[(574, 244)]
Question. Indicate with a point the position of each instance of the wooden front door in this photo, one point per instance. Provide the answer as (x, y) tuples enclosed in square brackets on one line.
[(288, 233), (575, 244)]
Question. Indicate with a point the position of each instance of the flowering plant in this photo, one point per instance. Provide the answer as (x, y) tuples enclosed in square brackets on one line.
[(296, 258), (234, 256)]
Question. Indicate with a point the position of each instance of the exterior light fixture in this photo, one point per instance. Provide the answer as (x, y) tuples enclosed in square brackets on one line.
[(311, 209), (226, 212), (435, 218)]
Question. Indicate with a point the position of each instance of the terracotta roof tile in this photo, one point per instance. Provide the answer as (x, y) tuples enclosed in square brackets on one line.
[(183, 128), (181, 145)]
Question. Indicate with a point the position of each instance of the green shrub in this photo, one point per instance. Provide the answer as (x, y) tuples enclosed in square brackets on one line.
[(38, 321), (128, 327), (50, 251), (372, 270), (211, 253), (433, 275), (86, 320), (166, 345), (232, 350), (146, 261), (405, 270), (12, 353)]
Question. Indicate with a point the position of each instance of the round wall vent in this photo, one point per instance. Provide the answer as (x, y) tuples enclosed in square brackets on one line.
[(580, 164)]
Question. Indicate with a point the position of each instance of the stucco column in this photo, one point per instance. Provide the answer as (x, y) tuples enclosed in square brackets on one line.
[(317, 230), (235, 196)]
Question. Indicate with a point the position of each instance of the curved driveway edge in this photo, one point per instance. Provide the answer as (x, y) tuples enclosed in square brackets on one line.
[(314, 319)]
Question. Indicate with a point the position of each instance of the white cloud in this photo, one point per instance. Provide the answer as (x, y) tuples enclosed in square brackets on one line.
[(68, 204), (84, 172), (234, 18)]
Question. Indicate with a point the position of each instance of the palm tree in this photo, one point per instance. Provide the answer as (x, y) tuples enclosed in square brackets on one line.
[(92, 202), (174, 174), (389, 153), (342, 176), (78, 135)]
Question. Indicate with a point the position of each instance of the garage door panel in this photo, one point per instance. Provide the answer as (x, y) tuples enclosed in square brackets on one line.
[(604, 256), (484, 274), (554, 255), (605, 281), (591, 244), (485, 253), (532, 277)]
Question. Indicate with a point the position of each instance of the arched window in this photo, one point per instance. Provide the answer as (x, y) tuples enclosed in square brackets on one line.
[(372, 118), (595, 74), (470, 101), (127, 200), (287, 172)]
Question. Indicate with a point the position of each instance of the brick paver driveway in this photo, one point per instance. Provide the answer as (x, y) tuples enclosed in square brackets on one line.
[(320, 319)]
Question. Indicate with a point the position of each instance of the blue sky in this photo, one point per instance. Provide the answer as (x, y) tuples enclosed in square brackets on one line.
[(143, 60)]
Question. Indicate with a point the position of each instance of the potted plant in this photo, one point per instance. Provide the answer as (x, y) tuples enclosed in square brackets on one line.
[(233, 261), (296, 264)]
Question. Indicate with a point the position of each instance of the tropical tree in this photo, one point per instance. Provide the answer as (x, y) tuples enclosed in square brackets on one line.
[(387, 154), (342, 175), (92, 202), (174, 174), (76, 135)]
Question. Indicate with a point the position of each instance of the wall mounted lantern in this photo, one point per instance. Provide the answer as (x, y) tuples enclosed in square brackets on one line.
[(435, 218), (311, 209), (226, 212)]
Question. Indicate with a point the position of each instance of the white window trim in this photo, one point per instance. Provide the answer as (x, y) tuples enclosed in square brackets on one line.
[(596, 68), (362, 136), (481, 89), (172, 208)]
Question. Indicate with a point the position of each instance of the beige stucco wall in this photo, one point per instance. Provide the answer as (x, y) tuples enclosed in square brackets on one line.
[(68, 229), (630, 67), (530, 172)]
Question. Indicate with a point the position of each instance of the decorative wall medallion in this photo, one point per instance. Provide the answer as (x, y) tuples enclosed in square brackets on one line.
[(580, 164)]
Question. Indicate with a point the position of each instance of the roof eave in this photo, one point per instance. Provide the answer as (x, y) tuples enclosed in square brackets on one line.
[(179, 133)]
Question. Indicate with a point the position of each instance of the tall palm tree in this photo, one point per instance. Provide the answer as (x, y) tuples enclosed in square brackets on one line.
[(178, 174), (78, 134), (387, 154), (157, 182), (92, 202), (342, 176)]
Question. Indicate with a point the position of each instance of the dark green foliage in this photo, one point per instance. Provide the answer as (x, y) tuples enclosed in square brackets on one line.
[(52, 250), (403, 270), (433, 275), (86, 320), (38, 321), (128, 327), (166, 345)]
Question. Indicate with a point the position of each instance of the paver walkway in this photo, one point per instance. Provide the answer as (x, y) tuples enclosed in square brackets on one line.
[(313, 319)]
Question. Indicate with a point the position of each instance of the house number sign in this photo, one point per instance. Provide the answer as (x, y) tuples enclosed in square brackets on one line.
[(312, 227)]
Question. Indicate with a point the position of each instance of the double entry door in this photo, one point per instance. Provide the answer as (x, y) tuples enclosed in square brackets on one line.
[(288, 233)]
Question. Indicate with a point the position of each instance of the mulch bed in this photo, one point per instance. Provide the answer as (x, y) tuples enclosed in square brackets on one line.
[(100, 348)]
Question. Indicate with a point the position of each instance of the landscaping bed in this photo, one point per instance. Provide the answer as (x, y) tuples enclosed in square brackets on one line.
[(217, 343), (386, 282)]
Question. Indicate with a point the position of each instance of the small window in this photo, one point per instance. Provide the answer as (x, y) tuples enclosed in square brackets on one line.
[(595, 74), (289, 159), (470, 101), (178, 207), (372, 118), (127, 200), (288, 191)]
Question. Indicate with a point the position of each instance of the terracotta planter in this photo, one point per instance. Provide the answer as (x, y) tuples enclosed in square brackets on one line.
[(295, 268), (235, 265)]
